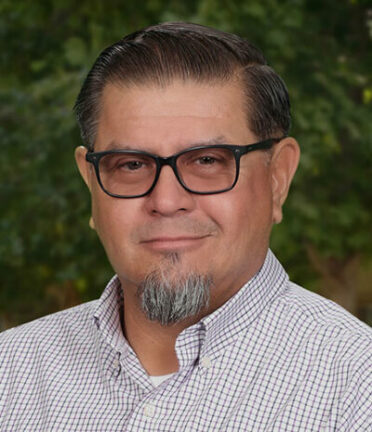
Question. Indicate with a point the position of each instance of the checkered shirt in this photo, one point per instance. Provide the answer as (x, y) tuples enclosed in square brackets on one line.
[(274, 357)]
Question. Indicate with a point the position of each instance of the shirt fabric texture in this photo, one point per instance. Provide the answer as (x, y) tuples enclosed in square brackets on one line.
[(274, 357)]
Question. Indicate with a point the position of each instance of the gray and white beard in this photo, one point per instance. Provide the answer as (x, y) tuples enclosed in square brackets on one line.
[(168, 297)]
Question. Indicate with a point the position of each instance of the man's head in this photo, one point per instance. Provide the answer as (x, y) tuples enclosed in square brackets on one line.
[(162, 91)]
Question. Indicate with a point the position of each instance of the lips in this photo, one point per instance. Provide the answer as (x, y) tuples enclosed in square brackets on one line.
[(176, 242)]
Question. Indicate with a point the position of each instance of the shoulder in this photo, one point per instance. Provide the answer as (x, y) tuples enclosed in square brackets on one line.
[(323, 313), (65, 328), (334, 349), (327, 330)]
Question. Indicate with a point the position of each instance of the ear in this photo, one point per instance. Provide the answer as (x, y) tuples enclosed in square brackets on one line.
[(283, 165), (82, 164)]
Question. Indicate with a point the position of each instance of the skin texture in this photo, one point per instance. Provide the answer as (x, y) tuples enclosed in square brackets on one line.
[(225, 236)]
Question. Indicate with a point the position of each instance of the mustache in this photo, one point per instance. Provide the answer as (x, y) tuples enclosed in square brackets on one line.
[(180, 226)]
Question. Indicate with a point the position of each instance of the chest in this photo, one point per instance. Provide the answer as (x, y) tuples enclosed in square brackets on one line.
[(242, 389)]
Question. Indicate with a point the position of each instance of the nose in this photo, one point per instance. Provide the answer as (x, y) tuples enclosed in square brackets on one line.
[(168, 196)]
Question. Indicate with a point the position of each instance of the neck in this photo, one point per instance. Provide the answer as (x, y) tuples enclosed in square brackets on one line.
[(153, 343)]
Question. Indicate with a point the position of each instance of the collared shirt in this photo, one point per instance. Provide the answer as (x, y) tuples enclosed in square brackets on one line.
[(274, 357)]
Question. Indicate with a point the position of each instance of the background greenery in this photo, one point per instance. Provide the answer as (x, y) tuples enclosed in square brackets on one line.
[(50, 259)]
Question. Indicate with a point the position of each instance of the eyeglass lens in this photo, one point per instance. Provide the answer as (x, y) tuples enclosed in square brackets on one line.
[(203, 170)]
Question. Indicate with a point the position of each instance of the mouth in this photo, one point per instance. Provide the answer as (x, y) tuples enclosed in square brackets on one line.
[(174, 243)]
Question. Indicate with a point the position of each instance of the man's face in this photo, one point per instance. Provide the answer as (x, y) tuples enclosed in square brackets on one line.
[(224, 236)]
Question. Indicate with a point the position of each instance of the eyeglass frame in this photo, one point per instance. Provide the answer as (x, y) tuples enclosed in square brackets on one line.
[(237, 150)]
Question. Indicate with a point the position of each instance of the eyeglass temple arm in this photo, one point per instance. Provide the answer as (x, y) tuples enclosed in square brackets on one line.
[(263, 145)]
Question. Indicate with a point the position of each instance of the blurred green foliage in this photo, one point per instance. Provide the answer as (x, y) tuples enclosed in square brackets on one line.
[(50, 259)]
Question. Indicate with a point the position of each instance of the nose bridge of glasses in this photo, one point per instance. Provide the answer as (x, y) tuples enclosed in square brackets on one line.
[(170, 161)]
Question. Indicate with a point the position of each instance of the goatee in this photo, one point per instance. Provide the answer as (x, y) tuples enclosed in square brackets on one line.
[(167, 296)]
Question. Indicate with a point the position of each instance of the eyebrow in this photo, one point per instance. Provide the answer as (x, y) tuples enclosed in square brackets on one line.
[(114, 145)]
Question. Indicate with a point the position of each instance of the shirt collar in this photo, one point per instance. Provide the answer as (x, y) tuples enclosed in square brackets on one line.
[(108, 315), (214, 331), (242, 309)]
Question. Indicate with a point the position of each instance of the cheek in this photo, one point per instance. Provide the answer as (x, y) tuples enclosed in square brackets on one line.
[(245, 213), (113, 220), (260, 201)]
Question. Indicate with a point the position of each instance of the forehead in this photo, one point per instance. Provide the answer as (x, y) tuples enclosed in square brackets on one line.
[(172, 117)]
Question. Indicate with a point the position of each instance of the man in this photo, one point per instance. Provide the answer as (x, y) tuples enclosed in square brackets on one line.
[(188, 161)]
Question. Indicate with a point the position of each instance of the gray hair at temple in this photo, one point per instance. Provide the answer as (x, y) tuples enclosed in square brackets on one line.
[(162, 53)]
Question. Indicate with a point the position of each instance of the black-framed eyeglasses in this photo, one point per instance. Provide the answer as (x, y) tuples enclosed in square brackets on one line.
[(202, 170)]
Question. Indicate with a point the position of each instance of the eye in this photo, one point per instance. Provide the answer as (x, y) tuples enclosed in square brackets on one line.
[(121, 163), (132, 165), (209, 158), (206, 160)]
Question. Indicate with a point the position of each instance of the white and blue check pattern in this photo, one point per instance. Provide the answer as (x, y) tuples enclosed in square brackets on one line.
[(275, 357)]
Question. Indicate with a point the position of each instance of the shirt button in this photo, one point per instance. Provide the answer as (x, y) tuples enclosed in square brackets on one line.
[(206, 362), (116, 363), (149, 410)]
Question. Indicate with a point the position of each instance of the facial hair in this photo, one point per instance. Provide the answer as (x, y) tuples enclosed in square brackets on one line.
[(168, 296)]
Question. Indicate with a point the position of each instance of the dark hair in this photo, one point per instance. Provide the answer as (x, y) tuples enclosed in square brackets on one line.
[(164, 52)]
